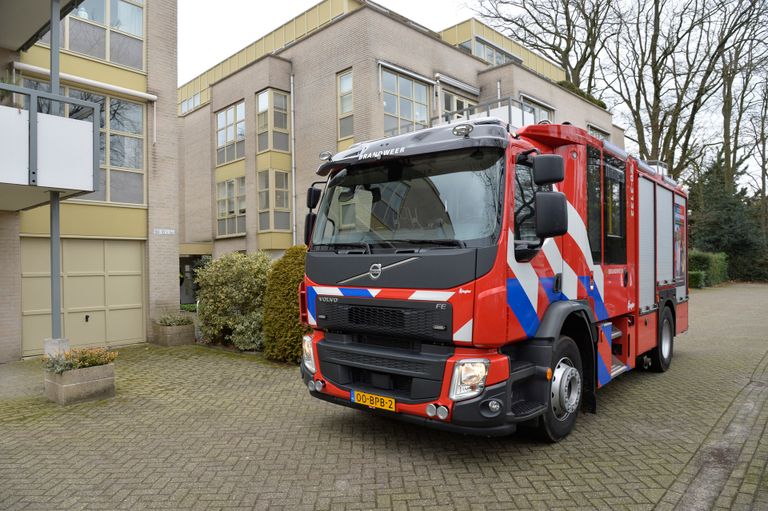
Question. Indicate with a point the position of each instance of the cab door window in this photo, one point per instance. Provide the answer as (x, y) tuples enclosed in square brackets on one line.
[(614, 210)]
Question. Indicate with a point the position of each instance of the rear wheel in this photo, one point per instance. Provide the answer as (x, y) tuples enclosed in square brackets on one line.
[(661, 355), (565, 393)]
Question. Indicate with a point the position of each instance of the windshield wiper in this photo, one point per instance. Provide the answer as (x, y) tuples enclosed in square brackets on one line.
[(359, 244), (443, 243)]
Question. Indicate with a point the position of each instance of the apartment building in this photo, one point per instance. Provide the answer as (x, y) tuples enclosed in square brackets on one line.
[(119, 243), (344, 71)]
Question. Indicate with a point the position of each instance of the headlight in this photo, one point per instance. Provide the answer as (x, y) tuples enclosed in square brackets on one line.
[(468, 378), (308, 353)]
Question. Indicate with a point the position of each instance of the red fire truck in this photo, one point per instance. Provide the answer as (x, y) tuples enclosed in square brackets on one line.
[(475, 279)]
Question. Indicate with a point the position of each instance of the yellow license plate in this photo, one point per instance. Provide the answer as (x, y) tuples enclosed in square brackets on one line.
[(373, 401)]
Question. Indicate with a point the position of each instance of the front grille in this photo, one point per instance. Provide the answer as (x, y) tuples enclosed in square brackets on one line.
[(408, 375), (404, 319), (384, 364)]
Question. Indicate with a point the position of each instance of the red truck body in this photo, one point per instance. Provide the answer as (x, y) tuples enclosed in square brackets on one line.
[(614, 285)]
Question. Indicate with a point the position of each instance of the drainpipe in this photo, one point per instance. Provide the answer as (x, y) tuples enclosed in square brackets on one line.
[(293, 157), (55, 234)]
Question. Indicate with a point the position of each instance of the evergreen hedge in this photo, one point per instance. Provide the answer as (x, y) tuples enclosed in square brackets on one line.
[(282, 329), (714, 266), (697, 279), (231, 293)]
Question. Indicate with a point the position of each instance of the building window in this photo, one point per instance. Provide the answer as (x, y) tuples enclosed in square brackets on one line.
[(598, 133), (538, 111), (121, 141), (346, 117), (191, 103), (110, 30), (230, 207), (489, 53), (459, 105), (405, 103), (274, 195), (272, 121), (230, 133)]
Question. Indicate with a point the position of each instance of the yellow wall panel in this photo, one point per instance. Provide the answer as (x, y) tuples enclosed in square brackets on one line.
[(87, 68), (279, 37), (229, 171), (274, 240), (312, 19), (96, 220), (324, 12), (195, 249)]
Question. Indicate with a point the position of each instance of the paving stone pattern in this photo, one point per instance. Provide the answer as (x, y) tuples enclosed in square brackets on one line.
[(199, 428)]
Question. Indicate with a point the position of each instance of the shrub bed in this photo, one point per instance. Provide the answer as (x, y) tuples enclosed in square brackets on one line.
[(231, 294), (697, 279), (282, 329)]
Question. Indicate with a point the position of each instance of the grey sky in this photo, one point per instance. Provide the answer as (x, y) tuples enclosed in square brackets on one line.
[(209, 31)]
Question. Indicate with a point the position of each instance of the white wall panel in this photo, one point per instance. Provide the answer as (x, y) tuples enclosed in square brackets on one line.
[(664, 235), (647, 242)]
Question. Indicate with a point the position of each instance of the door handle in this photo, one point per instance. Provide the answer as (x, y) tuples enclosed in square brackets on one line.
[(626, 277)]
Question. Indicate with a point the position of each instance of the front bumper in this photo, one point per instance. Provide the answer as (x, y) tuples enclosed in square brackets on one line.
[(472, 416)]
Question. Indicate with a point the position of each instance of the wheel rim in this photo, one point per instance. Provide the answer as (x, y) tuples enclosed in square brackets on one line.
[(566, 389), (666, 339)]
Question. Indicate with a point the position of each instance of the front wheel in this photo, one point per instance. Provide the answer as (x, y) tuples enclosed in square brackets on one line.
[(661, 355), (565, 393)]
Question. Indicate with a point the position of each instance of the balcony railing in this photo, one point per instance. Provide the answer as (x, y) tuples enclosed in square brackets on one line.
[(509, 110), (42, 152)]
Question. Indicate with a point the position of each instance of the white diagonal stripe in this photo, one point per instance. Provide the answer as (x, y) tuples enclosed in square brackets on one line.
[(433, 296), (524, 273), (464, 334), (328, 291)]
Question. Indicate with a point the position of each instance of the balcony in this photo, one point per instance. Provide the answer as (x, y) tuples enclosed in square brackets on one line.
[(42, 150), (508, 110)]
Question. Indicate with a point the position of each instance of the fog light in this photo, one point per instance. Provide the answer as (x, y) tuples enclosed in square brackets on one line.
[(319, 385), (442, 413), (311, 385), (431, 410), (494, 406)]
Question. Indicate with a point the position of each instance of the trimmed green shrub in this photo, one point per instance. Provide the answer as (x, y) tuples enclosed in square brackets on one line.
[(231, 297), (697, 279), (715, 265), (188, 307), (282, 329), (565, 84), (174, 319)]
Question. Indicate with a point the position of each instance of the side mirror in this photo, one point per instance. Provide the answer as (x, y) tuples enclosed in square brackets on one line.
[(309, 225), (551, 214), (548, 169), (313, 197)]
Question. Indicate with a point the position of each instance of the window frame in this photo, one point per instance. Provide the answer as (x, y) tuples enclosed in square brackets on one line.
[(399, 98), (232, 209), (595, 130), (270, 192), (105, 134), (537, 107), (106, 25), (341, 115), (270, 129), (235, 140), (455, 98)]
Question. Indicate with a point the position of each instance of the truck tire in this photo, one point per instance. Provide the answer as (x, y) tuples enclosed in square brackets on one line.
[(661, 355), (565, 393)]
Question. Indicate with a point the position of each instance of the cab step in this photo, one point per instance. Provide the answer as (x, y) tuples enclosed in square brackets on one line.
[(524, 410), (617, 367)]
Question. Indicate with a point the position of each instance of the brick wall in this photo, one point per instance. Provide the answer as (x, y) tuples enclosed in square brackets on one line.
[(10, 286), (163, 168)]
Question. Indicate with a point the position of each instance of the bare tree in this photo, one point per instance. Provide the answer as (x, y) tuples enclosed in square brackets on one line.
[(572, 33), (664, 66), (758, 126)]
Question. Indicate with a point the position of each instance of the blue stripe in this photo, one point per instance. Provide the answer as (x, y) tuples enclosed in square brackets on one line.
[(548, 283), (601, 312), (522, 307), (349, 291), (311, 299), (603, 374)]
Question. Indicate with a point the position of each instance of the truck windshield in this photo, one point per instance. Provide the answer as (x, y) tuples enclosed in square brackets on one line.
[(450, 199)]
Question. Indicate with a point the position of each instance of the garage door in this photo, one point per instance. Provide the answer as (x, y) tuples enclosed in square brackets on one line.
[(102, 292)]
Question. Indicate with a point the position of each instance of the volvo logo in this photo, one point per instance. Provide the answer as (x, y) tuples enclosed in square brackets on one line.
[(375, 271)]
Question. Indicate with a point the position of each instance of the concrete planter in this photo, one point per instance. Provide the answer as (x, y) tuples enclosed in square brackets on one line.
[(84, 384), (173, 335)]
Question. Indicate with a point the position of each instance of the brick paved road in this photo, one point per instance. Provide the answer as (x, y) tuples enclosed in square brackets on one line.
[(195, 428)]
